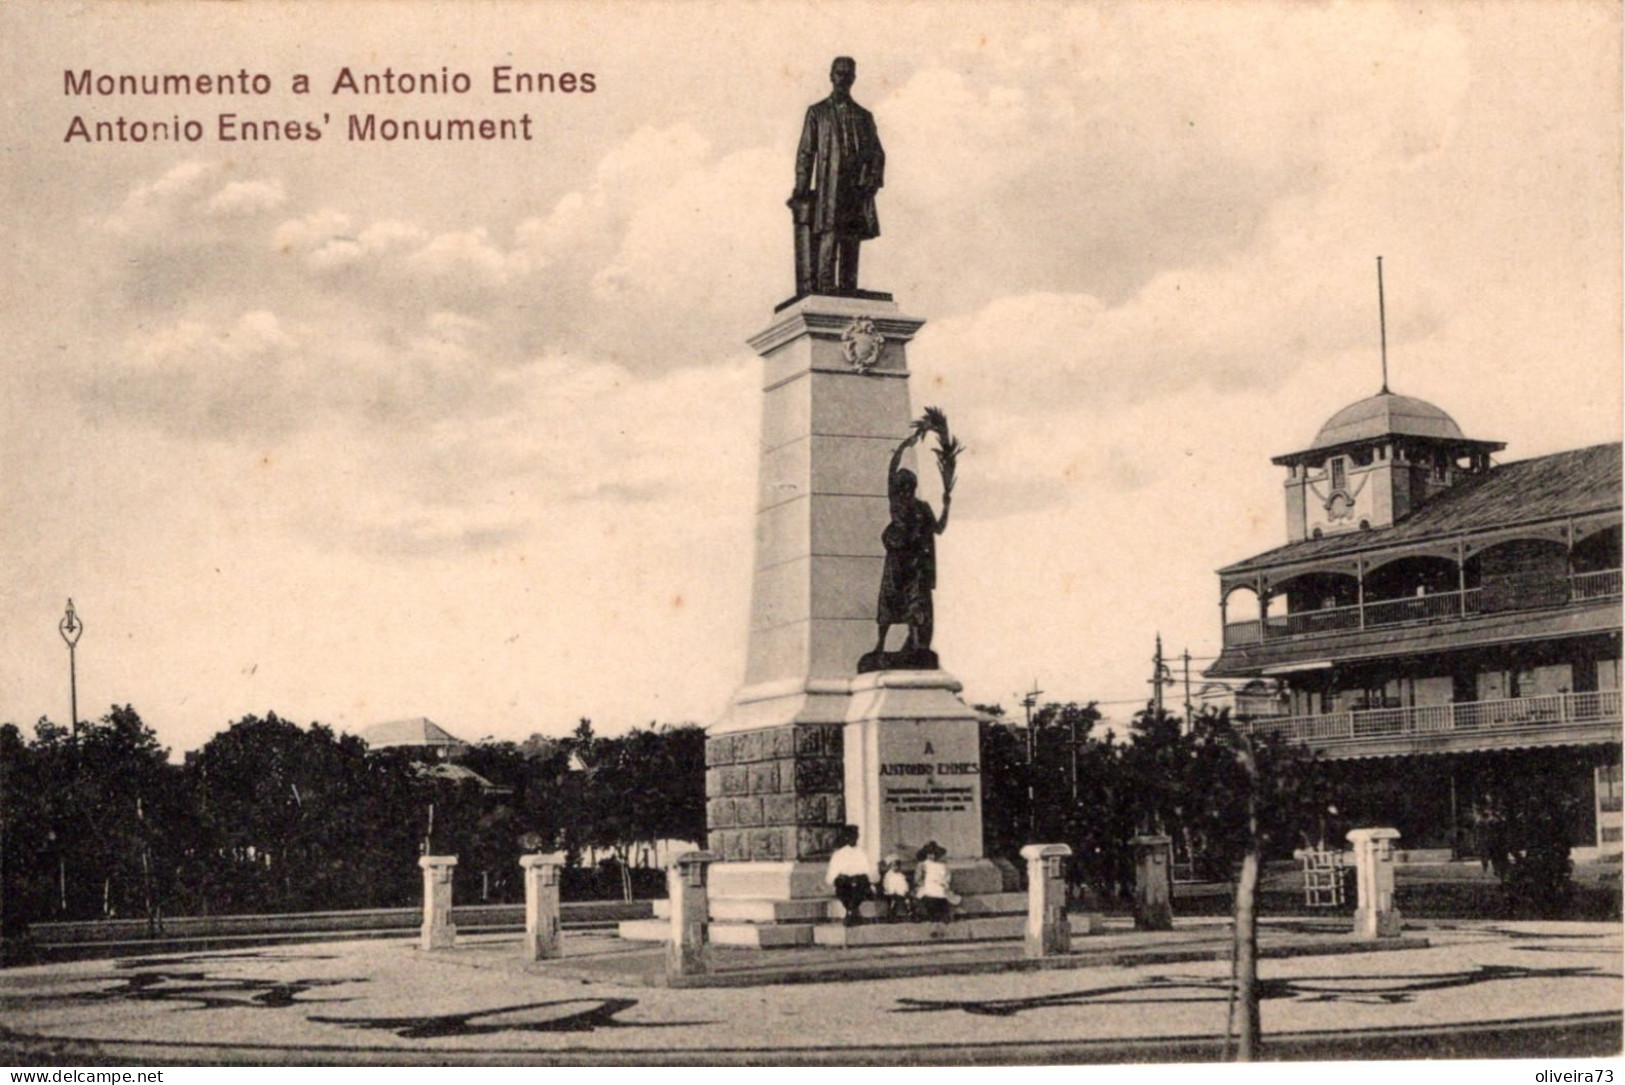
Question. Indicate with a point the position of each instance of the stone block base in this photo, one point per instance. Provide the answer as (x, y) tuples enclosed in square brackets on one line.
[(775, 795), (770, 881)]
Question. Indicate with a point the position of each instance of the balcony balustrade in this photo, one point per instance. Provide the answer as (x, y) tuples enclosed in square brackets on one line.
[(1440, 606), (1602, 584), (1517, 714)]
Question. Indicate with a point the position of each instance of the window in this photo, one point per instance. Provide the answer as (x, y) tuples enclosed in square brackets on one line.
[(1608, 788), (1340, 479)]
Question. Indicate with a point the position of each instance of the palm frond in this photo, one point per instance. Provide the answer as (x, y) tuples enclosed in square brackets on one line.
[(948, 446)]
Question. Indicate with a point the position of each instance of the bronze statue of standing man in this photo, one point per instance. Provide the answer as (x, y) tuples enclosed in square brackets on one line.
[(840, 165)]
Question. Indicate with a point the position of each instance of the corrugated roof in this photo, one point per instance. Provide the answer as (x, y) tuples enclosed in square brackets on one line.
[(417, 731), (1563, 484)]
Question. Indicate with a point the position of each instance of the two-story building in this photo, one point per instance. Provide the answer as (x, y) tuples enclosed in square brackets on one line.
[(1432, 610)]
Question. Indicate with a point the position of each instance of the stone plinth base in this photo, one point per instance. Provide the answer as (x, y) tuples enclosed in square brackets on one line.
[(917, 659), (913, 767)]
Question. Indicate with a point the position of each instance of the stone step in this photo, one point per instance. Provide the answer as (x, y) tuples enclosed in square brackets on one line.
[(981, 904), (985, 929), (760, 910), (644, 930), (749, 935), (761, 935), (819, 909)]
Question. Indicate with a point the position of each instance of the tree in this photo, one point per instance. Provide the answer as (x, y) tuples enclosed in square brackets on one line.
[(1004, 796), (294, 819), (1528, 810), (99, 797), (1259, 790), (645, 786)]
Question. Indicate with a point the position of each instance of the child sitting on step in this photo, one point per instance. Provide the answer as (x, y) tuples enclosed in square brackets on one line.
[(933, 889), (896, 904)]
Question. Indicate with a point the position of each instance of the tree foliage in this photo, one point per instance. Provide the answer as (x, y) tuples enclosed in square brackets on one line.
[(1096, 791), (270, 816), (1525, 830)]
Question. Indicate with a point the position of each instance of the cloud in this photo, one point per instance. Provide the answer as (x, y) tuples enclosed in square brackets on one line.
[(247, 198), (568, 437), (1136, 138)]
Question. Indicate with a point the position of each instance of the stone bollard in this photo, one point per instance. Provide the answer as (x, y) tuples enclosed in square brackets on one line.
[(1375, 915), (438, 930), (690, 913), (1048, 934), (541, 905), (1153, 883)]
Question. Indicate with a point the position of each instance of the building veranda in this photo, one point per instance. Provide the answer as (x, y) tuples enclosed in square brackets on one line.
[(1438, 621)]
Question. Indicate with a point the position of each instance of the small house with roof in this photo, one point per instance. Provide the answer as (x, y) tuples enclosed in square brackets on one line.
[(432, 747), (419, 734)]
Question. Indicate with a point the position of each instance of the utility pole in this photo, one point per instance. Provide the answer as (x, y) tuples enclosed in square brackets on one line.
[(1028, 700), (1188, 717), (72, 629), (1159, 675), (1073, 735)]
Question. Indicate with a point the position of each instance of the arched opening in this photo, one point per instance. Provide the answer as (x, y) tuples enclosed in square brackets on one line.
[(1321, 601), (1418, 587), (1518, 574), (1594, 565), (1239, 608)]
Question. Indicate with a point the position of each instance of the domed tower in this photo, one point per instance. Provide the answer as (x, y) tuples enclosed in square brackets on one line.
[(1375, 462)]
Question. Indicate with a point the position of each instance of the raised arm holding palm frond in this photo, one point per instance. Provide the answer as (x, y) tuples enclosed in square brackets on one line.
[(910, 573)]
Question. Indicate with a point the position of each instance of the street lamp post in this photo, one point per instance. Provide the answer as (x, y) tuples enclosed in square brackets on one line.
[(72, 629), (1028, 700)]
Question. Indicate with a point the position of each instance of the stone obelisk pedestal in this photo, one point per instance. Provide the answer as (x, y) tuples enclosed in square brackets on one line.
[(808, 744)]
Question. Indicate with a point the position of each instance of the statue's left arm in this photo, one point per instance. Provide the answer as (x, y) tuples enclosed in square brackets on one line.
[(947, 507), (876, 178)]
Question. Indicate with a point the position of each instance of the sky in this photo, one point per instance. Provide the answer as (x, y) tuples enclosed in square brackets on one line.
[(353, 431)]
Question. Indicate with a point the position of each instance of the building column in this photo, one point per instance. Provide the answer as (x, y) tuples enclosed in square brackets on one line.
[(1263, 605), (1359, 588), (1461, 578)]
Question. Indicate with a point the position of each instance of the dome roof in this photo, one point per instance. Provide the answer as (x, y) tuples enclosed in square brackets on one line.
[(1386, 414)]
